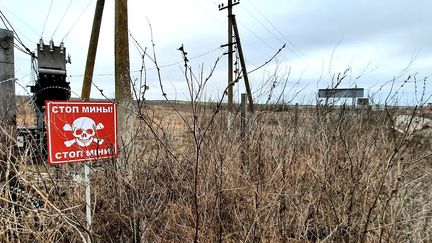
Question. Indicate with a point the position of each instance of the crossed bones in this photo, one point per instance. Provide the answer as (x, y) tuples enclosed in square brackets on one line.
[(68, 143)]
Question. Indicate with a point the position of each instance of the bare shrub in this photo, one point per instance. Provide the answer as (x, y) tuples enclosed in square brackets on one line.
[(326, 173)]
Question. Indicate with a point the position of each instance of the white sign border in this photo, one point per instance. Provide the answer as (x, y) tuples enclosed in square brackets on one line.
[(48, 128)]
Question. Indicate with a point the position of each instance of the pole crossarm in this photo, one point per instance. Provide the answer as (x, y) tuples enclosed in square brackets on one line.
[(230, 5)]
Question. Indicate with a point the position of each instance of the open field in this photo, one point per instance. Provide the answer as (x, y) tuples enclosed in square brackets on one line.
[(318, 174)]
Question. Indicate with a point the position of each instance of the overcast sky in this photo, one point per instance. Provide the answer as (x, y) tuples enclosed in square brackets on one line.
[(375, 41)]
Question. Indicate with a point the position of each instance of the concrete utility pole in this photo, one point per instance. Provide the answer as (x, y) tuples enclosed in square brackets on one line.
[(232, 26), (7, 80), (230, 59), (230, 53), (122, 76), (7, 99), (123, 92), (91, 54)]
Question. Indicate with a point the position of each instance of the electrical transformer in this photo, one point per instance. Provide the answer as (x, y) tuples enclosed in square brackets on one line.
[(51, 84), (51, 81)]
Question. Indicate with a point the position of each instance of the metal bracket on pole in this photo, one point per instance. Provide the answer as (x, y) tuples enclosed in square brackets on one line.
[(226, 53), (225, 45)]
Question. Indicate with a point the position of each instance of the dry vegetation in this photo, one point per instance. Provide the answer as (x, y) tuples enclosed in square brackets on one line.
[(328, 174), (333, 175)]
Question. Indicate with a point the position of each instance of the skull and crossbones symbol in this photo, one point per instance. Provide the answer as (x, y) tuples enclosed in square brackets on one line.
[(84, 132)]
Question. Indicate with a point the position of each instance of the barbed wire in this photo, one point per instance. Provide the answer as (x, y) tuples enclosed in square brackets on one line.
[(153, 68), (8, 80)]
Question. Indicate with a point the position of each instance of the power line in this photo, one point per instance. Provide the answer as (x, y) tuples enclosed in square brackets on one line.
[(265, 27), (271, 32), (76, 21), (8, 25), (61, 20), (275, 28), (20, 20), (46, 18), (159, 66), (142, 51), (257, 37), (198, 2)]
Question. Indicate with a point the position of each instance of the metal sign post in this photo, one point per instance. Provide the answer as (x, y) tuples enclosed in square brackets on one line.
[(87, 198)]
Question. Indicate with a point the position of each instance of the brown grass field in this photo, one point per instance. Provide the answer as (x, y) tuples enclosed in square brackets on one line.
[(324, 174)]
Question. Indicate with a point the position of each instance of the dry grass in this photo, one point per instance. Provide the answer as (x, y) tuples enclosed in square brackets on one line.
[(24, 111), (334, 175)]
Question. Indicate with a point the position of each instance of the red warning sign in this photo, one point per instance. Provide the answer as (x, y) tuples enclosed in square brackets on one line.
[(79, 131)]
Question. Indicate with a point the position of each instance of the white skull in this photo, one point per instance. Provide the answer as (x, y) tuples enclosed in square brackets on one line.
[(84, 130)]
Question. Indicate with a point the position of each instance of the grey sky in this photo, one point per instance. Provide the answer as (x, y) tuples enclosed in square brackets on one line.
[(377, 40)]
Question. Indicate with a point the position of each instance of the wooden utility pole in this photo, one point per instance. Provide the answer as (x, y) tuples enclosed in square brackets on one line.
[(121, 42), (91, 54)]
